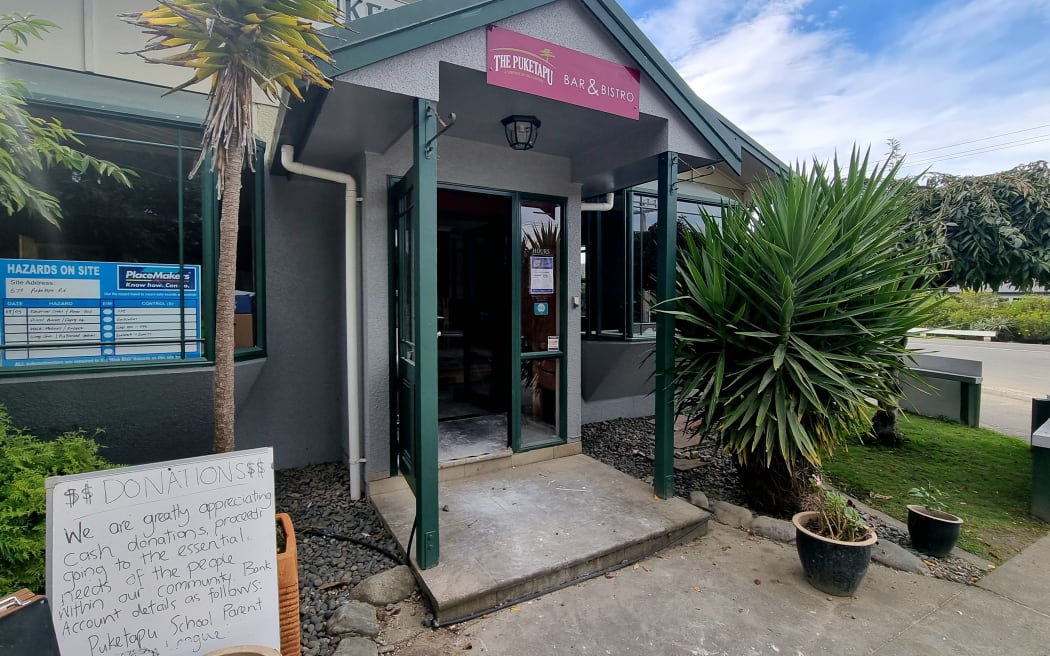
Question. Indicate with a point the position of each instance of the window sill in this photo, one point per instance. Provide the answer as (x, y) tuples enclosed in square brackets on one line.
[(240, 355), (617, 338)]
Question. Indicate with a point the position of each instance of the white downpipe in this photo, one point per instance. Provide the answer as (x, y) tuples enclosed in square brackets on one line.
[(352, 285), (604, 206)]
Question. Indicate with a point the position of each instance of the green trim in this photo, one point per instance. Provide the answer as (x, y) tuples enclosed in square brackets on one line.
[(666, 241), (392, 318), (259, 248), (970, 404), (209, 255), (387, 34), (514, 416), (542, 355), (518, 356), (541, 445), (628, 273), (113, 97), (424, 283)]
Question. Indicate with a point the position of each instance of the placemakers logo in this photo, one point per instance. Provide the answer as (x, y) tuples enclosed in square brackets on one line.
[(154, 277), (515, 61)]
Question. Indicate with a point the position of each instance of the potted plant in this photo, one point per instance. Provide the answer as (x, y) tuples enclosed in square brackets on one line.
[(833, 543), (288, 586), (932, 529)]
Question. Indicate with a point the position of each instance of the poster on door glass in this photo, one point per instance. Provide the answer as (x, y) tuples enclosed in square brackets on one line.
[(541, 280)]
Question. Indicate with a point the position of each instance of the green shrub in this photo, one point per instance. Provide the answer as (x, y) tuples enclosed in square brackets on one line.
[(1033, 326), (25, 462), (789, 324), (1024, 320)]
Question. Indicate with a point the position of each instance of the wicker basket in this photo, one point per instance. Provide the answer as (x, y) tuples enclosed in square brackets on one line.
[(288, 590)]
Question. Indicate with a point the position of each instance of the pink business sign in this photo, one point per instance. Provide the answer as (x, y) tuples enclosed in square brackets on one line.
[(522, 63)]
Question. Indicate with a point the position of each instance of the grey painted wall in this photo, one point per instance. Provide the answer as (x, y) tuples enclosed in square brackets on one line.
[(617, 380), (297, 403)]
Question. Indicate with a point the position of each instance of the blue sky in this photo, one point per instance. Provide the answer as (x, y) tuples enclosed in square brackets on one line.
[(809, 77)]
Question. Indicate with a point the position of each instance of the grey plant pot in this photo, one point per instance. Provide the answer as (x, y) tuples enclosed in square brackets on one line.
[(831, 566), (933, 532)]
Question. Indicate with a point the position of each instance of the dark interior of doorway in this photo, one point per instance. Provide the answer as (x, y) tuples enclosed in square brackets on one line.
[(474, 315)]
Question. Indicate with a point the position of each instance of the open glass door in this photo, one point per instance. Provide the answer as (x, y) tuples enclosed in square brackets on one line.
[(539, 402), (413, 205)]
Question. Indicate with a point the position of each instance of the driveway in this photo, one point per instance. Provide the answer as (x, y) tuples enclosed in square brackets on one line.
[(1014, 374)]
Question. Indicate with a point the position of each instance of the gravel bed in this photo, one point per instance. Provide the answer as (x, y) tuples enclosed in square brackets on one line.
[(628, 445), (318, 497)]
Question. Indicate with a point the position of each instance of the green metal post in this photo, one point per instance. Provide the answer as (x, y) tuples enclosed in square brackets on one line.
[(666, 242), (970, 406), (424, 224)]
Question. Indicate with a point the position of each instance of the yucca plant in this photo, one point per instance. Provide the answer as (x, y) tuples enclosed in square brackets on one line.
[(237, 45), (792, 316)]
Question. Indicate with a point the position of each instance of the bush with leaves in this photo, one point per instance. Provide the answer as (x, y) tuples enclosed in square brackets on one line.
[(993, 229), (25, 462), (29, 144), (791, 318), (1024, 320)]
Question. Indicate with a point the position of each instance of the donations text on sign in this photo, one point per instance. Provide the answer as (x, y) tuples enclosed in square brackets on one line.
[(174, 558), (522, 63)]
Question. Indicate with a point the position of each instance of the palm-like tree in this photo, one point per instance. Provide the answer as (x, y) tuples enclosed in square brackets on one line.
[(237, 45)]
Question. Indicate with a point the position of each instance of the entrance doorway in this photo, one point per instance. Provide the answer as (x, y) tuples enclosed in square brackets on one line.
[(474, 323)]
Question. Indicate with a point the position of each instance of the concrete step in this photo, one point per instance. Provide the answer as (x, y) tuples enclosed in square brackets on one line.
[(514, 533)]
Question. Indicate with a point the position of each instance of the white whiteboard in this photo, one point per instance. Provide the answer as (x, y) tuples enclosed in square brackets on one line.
[(167, 559)]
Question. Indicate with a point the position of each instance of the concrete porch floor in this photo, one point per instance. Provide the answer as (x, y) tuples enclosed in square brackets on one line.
[(525, 530)]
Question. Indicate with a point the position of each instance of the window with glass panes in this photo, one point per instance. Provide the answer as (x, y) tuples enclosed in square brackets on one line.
[(618, 258), (165, 218)]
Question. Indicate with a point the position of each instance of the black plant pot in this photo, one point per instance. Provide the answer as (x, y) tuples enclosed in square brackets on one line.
[(933, 532), (831, 566)]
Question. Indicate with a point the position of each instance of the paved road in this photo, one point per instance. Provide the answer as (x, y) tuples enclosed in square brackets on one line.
[(1013, 375)]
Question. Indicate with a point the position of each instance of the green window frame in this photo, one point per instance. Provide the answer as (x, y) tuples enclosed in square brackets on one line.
[(615, 262), (184, 139)]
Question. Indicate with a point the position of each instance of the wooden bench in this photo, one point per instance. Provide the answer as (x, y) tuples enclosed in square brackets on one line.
[(986, 335)]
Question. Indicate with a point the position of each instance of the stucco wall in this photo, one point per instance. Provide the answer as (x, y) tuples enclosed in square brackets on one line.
[(297, 403), (617, 380), (147, 416)]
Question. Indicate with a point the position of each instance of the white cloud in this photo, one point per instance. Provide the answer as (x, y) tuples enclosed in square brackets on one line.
[(960, 72)]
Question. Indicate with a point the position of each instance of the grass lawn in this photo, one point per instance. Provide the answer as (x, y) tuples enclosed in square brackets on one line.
[(984, 477)]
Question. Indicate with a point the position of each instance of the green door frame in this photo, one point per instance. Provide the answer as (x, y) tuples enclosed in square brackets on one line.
[(666, 243), (413, 213), (517, 356)]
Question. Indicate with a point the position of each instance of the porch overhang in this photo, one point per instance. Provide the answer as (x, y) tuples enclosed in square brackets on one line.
[(389, 34)]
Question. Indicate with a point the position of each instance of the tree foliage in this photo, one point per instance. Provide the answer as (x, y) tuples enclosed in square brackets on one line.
[(30, 145), (237, 45), (991, 229)]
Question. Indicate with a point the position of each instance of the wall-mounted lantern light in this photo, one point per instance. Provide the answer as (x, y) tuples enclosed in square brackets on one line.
[(521, 131)]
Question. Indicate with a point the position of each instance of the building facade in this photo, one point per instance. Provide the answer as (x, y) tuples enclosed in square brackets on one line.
[(413, 289)]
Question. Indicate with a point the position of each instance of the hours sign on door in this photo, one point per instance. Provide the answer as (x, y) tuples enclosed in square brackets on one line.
[(62, 311)]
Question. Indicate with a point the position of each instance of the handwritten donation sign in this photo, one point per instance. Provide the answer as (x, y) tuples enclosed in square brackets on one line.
[(522, 63), (167, 559), (62, 311)]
